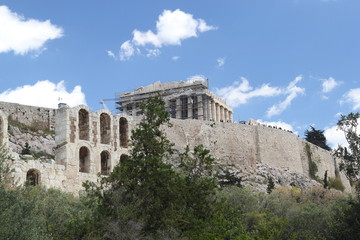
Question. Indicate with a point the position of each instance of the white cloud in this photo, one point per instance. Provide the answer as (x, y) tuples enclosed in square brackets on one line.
[(352, 97), (278, 124), (44, 94), (329, 84), (335, 137), (241, 92), (126, 50), (153, 52), (111, 54), (293, 91), (220, 62), (196, 78), (172, 28), (175, 58), (24, 35)]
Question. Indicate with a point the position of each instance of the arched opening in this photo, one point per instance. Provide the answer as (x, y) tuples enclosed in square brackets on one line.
[(33, 177), (105, 128), (124, 132), (105, 163), (123, 158), (84, 160), (84, 124)]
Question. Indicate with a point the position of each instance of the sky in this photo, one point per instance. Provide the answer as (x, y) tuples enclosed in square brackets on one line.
[(290, 63)]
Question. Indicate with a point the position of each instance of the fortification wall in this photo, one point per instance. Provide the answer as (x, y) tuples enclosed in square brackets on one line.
[(38, 117), (80, 147), (247, 145)]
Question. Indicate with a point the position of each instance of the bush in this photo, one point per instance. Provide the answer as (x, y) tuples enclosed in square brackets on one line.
[(336, 183)]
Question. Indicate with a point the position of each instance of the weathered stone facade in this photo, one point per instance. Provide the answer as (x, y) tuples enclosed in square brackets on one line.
[(90, 143), (184, 100)]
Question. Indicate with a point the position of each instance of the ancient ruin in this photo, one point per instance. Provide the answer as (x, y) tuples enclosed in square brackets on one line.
[(184, 100), (71, 145)]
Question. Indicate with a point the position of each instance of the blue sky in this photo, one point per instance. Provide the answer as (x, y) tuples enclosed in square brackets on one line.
[(295, 63)]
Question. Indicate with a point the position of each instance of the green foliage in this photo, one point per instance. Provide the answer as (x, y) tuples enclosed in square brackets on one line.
[(316, 137), (271, 185), (36, 128), (336, 183), (154, 191), (36, 213), (350, 157), (326, 183), (313, 169), (26, 149)]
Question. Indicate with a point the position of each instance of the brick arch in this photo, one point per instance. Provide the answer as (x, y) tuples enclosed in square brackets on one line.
[(105, 128), (84, 159), (124, 132), (33, 177), (84, 124), (105, 162)]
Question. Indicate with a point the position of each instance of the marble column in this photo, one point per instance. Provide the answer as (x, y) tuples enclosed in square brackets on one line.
[(213, 115), (217, 112), (178, 108), (190, 107), (226, 113), (200, 107), (221, 114)]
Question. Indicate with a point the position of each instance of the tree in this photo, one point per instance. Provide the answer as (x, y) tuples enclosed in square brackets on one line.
[(156, 189), (350, 156), (316, 137), (271, 185)]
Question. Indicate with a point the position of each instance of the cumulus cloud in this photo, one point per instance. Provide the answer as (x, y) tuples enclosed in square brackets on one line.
[(292, 92), (220, 62), (329, 84), (279, 124), (240, 92), (197, 78), (352, 97), (172, 27), (335, 137), (44, 94), (22, 35)]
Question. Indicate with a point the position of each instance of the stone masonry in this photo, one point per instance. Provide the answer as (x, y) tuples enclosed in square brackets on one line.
[(88, 144)]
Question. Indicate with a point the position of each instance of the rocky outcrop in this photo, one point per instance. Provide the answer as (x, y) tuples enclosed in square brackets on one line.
[(40, 142)]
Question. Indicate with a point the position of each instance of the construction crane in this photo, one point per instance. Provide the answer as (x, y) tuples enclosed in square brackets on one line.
[(103, 104)]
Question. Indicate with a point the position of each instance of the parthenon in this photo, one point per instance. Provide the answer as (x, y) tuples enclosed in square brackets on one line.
[(184, 100)]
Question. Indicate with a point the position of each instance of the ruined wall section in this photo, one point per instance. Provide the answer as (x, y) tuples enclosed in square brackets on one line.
[(37, 117), (3, 129), (231, 143), (247, 145), (88, 143)]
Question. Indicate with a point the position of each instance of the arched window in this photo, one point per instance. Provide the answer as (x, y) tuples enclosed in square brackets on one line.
[(123, 158), (105, 163), (105, 128), (33, 177), (124, 132), (84, 160), (84, 124)]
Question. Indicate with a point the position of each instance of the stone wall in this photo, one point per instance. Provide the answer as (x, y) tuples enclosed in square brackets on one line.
[(38, 117), (245, 146)]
